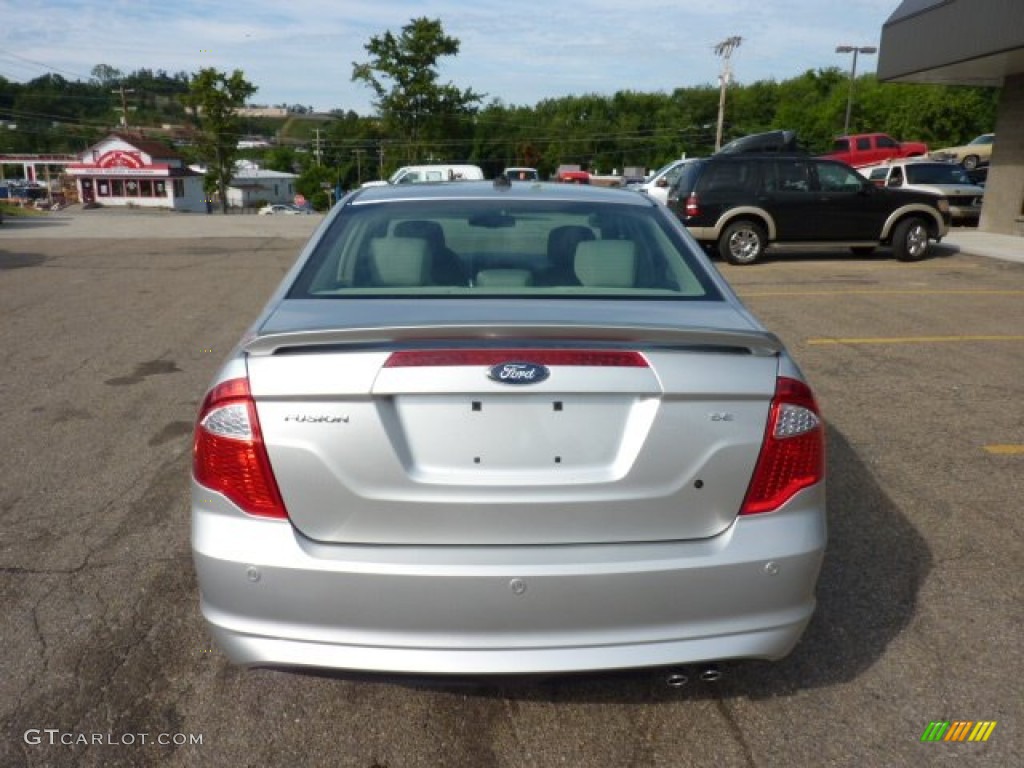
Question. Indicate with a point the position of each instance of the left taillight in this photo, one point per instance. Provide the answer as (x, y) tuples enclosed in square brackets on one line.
[(228, 454), (793, 452)]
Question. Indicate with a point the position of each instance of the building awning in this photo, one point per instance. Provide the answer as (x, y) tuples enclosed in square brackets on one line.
[(953, 42)]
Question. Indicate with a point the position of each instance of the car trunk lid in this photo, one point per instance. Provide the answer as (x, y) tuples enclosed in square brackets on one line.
[(408, 434)]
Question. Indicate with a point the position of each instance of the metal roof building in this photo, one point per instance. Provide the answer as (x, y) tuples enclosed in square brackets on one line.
[(969, 42)]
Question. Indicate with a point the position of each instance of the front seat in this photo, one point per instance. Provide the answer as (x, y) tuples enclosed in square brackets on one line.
[(447, 267)]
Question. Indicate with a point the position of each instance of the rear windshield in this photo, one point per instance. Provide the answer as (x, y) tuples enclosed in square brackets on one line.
[(542, 249), (687, 179)]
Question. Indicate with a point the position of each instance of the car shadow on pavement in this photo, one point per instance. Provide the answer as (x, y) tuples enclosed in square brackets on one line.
[(874, 567), (10, 260), (882, 255)]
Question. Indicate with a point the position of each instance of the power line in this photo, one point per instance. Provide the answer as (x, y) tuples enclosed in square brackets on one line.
[(49, 67)]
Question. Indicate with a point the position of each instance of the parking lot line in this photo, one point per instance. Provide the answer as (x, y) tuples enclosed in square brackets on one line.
[(1005, 450), (911, 340), (877, 266)]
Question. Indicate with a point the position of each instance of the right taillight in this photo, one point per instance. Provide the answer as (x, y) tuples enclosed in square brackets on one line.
[(228, 454), (793, 452), (692, 208)]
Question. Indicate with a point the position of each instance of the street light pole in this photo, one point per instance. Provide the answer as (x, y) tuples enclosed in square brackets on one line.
[(853, 76)]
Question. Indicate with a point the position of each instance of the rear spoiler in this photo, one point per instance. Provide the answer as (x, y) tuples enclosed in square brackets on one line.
[(760, 343)]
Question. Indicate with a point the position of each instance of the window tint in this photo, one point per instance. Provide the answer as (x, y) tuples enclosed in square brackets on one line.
[(475, 249), (727, 178), (672, 176), (688, 177), (887, 143), (840, 145), (864, 142), (788, 176), (937, 173), (833, 177)]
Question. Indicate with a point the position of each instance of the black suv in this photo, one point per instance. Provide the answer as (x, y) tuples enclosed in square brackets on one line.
[(741, 202)]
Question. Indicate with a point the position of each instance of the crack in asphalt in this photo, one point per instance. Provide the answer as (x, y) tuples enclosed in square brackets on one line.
[(736, 731)]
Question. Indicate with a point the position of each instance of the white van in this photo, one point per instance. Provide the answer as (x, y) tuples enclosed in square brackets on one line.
[(418, 174)]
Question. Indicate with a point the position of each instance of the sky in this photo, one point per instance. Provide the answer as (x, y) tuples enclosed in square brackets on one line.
[(518, 52)]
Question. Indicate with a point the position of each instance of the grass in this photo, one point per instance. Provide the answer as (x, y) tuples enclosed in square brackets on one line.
[(13, 211)]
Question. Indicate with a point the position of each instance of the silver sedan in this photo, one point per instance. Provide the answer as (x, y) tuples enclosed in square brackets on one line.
[(506, 429)]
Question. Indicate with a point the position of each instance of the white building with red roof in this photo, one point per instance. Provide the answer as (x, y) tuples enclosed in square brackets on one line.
[(128, 170)]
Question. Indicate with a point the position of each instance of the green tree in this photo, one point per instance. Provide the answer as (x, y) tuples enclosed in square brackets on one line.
[(214, 99), (412, 103), (106, 76)]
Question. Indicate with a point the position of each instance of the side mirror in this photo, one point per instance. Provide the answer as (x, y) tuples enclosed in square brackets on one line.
[(662, 182)]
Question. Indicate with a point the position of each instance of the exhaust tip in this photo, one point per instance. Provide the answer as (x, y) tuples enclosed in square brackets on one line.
[(711, 674), (676, 680)]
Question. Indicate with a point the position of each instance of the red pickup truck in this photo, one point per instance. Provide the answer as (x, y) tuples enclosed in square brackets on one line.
[(864, 149)]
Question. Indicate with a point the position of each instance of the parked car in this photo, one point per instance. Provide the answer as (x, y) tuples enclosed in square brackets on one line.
[(658, 183), (420, 174), (282, 209), (521, 174), (485, 429), (977, 152), (946, 180), (866, 149), (740, 204), (573, 177)]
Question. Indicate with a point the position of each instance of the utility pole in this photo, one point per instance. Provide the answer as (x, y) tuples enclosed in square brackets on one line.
[(853, 76), (316, 146), (724, 49), (359, 165), (124, 104)]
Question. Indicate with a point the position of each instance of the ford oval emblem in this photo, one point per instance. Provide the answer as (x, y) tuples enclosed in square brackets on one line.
[(519, 373)]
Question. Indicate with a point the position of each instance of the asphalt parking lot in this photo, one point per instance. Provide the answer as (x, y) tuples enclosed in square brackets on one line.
[(112, 325)]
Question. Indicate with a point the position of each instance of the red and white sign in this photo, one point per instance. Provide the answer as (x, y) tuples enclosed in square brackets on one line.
[(118, 158)]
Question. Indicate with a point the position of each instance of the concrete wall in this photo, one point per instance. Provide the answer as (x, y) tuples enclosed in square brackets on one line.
[(1003, 209)]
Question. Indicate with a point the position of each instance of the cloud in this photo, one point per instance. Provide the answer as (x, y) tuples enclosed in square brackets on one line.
[(523, 52)]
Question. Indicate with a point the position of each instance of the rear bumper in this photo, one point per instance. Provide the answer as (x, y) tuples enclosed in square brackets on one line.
[(273, 598)]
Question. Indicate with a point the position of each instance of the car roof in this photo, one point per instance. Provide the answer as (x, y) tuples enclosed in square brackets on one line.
[(490, 190), (901, 161)]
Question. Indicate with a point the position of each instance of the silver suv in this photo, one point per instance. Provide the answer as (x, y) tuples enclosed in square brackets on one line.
[(942, 179)]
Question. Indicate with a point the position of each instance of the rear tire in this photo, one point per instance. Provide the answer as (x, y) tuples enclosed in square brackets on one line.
[(910, 240), (970, 162), (743, 242)]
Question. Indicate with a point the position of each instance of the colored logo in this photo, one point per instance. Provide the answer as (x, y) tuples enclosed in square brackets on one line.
[(118, 158), (958, 730), (519, 373)]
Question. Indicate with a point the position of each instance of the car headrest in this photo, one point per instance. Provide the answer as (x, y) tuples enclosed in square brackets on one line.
[(399, 261), (606, 263)]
